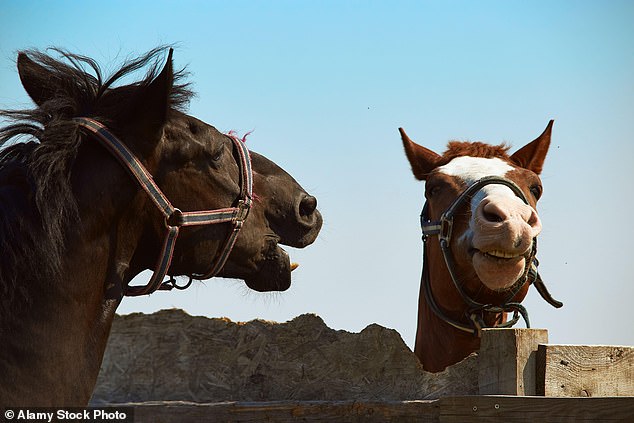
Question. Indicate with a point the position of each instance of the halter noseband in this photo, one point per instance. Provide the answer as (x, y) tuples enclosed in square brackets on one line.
[(175, 218), (444, 228)]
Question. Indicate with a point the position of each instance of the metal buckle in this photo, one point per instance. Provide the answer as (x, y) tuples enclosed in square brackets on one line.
[(446, 227), (243, 211)]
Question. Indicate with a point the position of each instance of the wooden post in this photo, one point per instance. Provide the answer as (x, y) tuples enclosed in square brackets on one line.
[(507, 361), (585, 371)]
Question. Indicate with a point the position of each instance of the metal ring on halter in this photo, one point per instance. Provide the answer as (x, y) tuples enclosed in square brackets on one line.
[(170, 284), (181, 287), (175, 219)]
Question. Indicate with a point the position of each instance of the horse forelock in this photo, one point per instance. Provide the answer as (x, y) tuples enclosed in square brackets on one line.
[(40, 147), (474, 149)]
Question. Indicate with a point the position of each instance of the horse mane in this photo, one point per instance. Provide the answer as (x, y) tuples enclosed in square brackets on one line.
[(40, 147)]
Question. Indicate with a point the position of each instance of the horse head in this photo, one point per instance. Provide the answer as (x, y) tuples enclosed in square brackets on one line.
[(196, 167), (481, 205), (116, 179)]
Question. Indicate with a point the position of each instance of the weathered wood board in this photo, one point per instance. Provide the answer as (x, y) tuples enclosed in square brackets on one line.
[(535, 409), (585, 371), (445, 410)]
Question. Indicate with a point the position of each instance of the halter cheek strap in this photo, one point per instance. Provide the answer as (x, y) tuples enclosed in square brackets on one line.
[(175, 218)]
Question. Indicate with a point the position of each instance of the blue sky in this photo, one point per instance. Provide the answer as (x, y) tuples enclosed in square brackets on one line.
[(325, 85)]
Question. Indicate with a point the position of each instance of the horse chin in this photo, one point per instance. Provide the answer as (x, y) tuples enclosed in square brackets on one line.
[(274, 272), (498, 273)]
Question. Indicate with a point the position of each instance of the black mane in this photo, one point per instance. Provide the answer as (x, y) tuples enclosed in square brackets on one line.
[(40, 147)]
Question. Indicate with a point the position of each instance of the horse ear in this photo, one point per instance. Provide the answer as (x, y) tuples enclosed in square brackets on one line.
[(533, 154), (153, 101), (35, 79), (422, 160)]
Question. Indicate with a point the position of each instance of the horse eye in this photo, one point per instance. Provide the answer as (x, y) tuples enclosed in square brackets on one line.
[(431, 191), (536, 190), (216, 155)]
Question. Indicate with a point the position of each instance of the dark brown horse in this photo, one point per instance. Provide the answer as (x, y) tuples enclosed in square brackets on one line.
[(480, 228), (76, 227)]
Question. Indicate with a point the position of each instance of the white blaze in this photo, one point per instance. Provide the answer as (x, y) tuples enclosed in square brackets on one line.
[(472, 169)]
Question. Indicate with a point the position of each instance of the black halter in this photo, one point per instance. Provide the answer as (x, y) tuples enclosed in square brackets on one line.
[(175, 218), (475, 311)]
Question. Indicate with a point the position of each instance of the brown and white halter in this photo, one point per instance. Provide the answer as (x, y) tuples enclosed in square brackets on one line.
[(175, 218)]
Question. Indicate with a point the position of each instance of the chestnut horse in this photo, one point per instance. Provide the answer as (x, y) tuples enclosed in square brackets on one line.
[(94, 196), (480, 207)]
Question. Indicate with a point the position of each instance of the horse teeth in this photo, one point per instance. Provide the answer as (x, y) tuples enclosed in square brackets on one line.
[(294, 266), (501, 254)]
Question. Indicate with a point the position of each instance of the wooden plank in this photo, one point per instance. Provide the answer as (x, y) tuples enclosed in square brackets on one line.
[(585, 371), (286, 411), (507, 361), (446, 410), (535, 409)]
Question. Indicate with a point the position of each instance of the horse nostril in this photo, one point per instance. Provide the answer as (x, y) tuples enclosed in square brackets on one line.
[(492, 213), (492, 217), (307, 206)]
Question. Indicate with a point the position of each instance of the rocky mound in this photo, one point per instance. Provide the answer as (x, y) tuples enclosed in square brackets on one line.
[(170, 355)]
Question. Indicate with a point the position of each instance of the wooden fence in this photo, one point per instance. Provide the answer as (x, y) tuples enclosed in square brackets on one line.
[(521, 378), (521, 362)]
